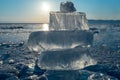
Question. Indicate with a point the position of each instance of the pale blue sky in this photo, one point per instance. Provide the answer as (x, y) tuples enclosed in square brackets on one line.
[(30, 10)]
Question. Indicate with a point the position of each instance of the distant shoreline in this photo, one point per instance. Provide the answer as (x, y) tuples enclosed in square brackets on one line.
[(89, 20)]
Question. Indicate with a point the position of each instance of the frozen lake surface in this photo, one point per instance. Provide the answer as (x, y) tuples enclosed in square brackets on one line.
[(18, 62)]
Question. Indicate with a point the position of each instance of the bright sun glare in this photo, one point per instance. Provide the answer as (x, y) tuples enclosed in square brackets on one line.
[(45, 7), (45, 27)]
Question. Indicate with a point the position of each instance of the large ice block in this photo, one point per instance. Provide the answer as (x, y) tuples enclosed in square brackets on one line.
[(47, 40), (68, 21), (66, 59)]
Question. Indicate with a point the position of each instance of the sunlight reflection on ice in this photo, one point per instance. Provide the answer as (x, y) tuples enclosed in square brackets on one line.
[(45, 27)]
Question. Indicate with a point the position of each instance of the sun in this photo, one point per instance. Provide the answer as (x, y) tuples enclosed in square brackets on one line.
[(45, 7)]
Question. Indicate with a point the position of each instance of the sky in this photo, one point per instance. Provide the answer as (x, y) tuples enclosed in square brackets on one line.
[(37, 11)]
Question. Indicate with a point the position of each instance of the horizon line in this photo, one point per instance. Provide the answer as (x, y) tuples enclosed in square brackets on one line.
[(48, 23)]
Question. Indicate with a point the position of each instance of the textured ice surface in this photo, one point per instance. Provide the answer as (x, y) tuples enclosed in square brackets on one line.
[(77, 75), (68, 59), (25, 59), (68, 21), (39, 41)]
